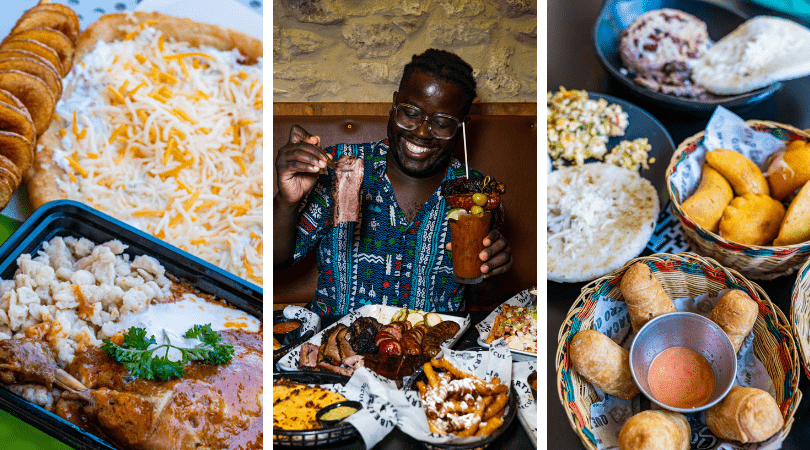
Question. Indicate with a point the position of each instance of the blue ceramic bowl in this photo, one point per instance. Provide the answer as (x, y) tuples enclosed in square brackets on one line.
[(616, 15)]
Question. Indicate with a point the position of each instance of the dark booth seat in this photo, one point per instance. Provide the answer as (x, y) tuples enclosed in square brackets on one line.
[(501, 142)]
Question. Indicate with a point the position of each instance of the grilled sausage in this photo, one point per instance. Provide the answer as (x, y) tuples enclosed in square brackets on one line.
[(390, 347)]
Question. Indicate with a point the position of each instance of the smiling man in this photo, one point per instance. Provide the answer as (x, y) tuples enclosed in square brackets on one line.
[(397, 253)]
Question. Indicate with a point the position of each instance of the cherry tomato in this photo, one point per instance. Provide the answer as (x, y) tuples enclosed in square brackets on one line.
[(492, 202)]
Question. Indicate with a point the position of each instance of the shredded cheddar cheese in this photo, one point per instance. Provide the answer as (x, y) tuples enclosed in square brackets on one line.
[(169, 143)]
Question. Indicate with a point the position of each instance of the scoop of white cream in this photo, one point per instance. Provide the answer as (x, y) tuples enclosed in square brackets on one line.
[(172, 320)]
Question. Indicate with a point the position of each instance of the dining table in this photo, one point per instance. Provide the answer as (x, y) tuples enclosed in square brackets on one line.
[(514, 437), (573, 63)]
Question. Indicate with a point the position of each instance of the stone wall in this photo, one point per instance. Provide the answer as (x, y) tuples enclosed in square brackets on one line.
[(354, 51)]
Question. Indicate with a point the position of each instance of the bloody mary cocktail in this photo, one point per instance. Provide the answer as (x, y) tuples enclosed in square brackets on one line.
[(467, 233)]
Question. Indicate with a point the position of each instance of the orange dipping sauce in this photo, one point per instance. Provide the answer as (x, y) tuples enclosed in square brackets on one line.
[(681, 378)]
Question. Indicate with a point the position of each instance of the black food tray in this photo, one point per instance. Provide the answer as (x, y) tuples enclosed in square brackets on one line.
[(508, 415), (298, 339), (69, 218), (314, 438)]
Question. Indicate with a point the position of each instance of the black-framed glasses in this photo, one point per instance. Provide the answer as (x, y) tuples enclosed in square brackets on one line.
[(410, 117)]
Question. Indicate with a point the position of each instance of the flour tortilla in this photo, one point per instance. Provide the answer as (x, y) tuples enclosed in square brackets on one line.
[(599, 217), (760, 52), (40, 180)]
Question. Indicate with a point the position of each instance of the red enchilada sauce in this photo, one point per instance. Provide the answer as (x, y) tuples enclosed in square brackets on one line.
[(285, 327), (681, 378)]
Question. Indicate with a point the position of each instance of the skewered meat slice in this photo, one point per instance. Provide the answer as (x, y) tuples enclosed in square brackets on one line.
[(346, 189)]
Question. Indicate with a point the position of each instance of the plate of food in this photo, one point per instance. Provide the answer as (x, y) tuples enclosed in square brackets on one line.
[(299, 399), (160, 125), (466, 399), (650, 47), (392, 342), (609, 185), (103, 301), (515, 321)]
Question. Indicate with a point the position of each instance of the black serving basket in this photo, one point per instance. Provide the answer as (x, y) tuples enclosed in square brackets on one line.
[(294, 341), (508, 416), (314, 438), (68, 218)]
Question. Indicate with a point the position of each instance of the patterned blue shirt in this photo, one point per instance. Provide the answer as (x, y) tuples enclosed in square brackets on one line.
[(382, 259)]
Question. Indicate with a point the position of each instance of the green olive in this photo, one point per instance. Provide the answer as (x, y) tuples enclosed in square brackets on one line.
[(479, 199), (476, 210)]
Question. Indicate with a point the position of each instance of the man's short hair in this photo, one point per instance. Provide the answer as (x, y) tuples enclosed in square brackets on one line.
[(445, 66)]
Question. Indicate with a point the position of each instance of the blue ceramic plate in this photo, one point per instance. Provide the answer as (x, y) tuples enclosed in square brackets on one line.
[(616, 15), (643, 125)]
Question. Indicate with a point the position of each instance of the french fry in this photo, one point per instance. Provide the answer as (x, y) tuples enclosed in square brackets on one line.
[(446, 365), (434, 428), (433, 380), (420, 385), (470, 407), (473, 427), (496, 406), (489, 427)]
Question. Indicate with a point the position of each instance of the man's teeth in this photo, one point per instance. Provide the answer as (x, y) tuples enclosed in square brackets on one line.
[(415, 148)]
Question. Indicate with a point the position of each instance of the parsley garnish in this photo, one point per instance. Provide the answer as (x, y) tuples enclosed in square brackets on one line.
[(139, 360)]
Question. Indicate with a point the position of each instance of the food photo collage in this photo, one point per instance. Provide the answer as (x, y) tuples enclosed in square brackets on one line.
[(407, 177)]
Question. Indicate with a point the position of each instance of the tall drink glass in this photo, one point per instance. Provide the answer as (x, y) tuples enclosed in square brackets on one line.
[(467, 235)]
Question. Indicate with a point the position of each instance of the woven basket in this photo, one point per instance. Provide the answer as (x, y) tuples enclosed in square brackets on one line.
[(755, 262), (682, 275), (800, 314)]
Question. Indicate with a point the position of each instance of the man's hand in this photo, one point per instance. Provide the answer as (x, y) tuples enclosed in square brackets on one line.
[(497, 255), (298, 164)]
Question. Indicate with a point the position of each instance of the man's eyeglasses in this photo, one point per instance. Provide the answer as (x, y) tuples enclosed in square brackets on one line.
[(410, 117)]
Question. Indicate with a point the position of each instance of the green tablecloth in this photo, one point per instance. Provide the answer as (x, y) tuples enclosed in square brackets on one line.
[(15, 433), (18, 435)]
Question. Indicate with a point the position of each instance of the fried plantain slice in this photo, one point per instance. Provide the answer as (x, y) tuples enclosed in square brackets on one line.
[(6, 191), (11, 171), (52, 38), (37, 48), (16, 119), (17, 149), (38, 17), (33, 93), (44, 71), (64, 9)]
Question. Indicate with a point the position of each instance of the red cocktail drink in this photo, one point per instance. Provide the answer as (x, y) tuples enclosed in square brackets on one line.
[(467, 234)]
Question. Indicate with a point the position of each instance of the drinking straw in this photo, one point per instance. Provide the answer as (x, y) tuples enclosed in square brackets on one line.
[(466, 164)]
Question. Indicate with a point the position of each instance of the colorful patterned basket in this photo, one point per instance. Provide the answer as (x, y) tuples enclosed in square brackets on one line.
[(800, 314), (682, 275), (755, 262)]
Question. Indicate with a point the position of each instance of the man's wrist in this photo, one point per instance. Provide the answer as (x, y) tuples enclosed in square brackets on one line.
[(280, 202)]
